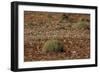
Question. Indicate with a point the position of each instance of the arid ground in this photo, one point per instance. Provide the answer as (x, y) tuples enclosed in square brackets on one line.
[(73, 29)]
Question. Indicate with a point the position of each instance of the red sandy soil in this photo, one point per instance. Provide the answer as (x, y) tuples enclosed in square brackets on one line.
[(42, 26)]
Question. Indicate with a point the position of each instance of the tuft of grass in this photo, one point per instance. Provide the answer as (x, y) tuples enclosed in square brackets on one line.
[(83, 24), (53, 46)]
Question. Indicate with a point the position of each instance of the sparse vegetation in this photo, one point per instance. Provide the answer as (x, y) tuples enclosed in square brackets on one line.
[(47, 34), (82, 24), (53, 46)]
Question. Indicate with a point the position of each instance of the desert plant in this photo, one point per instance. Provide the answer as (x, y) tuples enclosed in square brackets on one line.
[(53, 46), (83, 24)]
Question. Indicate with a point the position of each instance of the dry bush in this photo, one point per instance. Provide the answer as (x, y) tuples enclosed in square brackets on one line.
[(53, 46)]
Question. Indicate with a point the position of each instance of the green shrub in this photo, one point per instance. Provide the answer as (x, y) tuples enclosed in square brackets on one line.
[(83, 24), (52, 46)]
